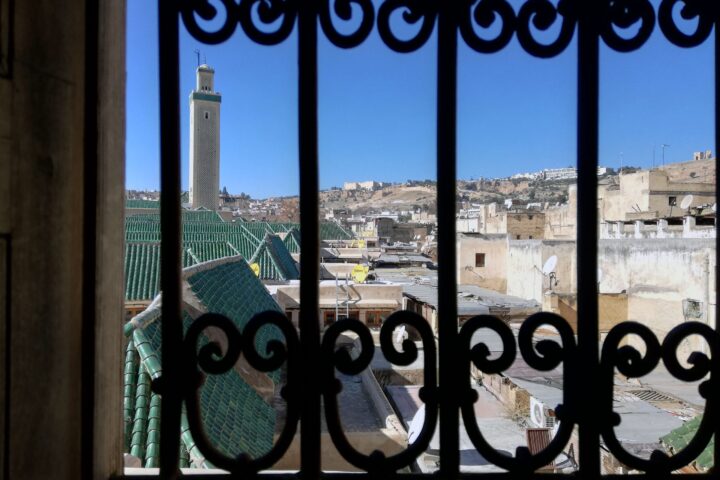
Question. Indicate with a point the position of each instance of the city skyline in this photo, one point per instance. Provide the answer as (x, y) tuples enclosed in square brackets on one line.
[(376, 110)]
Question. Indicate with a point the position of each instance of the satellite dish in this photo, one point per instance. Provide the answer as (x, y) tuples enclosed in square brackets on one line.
[(415, 428), (714, 207), (599, 275), (416, 425), (550, 265), (686, 202), (400, 334)]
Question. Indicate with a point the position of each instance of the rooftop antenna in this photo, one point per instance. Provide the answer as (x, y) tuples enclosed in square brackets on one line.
[(197, 53), (549, 270), (686, 202), (663, 146)]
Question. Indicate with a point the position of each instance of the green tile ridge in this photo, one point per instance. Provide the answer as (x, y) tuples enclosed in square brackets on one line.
[(130, 379), (147, 353), (152, 448), (142, 404)]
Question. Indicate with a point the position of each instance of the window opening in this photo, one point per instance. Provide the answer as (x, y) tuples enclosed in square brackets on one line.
[(452, 393)]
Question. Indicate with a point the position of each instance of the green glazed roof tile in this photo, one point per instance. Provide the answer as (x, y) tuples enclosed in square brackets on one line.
[(679, 438), (142, 204), (236, 419)]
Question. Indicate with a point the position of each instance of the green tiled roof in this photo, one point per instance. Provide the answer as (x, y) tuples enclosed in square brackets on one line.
[(681, 436), (142, 269), (129, 203), (292, 240), (333, 231), (274, 260), (205, 251), (235, 417), (259, 229), (188, 216), (206, 237)]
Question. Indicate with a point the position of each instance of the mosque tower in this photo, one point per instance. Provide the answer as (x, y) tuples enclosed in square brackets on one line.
[(204, 141)]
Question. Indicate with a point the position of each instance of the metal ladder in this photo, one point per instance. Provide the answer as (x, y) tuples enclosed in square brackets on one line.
[(344, 302)]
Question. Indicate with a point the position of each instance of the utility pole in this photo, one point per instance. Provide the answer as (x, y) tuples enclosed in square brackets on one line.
[(663, 152), (653, 164)]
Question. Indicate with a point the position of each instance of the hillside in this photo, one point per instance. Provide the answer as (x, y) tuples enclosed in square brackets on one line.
[(408, 197), (421, 194)]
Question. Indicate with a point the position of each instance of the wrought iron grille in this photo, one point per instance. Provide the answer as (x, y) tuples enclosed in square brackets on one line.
[(311, 360)]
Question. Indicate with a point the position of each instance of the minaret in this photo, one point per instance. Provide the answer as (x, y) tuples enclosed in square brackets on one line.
[(204, 141)]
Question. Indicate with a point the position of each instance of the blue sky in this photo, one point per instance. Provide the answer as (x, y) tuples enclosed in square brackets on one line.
[(377, 109)]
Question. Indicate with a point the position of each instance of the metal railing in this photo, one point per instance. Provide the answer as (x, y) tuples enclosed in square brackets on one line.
[(311, 360)]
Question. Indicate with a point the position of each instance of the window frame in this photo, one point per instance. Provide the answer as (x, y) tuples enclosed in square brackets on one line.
[(445, 23)]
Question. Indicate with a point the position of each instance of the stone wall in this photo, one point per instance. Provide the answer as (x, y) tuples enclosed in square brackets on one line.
[(525, 225)]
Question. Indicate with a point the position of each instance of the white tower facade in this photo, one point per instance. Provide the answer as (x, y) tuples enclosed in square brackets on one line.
[(204, 141)]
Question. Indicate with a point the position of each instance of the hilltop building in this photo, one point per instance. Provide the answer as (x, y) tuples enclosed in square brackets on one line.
[(204, 141), (370, 185)]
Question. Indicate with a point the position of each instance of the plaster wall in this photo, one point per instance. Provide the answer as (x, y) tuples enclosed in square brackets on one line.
[(525, 262), (465, 225), (658, 274), (560, 222), (494, 274)]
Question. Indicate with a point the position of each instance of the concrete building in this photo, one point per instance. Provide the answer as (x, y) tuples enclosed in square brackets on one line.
[(490, 219), (560, 220), (471, 301), (370, 185), (649, 194), (559, 173), (482, 260), (204, 141), (367, 302)]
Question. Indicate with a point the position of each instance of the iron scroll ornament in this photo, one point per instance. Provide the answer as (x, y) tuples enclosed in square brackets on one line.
[(377, 462), (631, 363), (623, 14), (704, 12), (543, 356), (268, 12), (270, 22), (211, 360)]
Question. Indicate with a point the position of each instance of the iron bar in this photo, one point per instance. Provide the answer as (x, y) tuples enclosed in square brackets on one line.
[(714, 402), (171, 260), (310, 458), (587, 240), (450, 383)]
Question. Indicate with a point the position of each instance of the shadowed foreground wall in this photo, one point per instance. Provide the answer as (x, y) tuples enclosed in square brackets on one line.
[(60, 297)]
